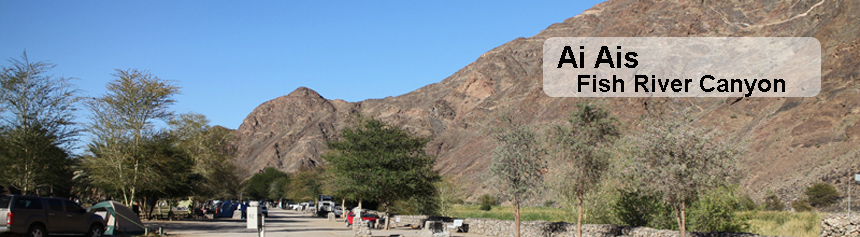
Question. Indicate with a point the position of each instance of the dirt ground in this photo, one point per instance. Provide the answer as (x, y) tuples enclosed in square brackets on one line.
[(279, 223)]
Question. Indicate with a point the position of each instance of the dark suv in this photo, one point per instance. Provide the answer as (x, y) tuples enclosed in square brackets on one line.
[(40, 216)]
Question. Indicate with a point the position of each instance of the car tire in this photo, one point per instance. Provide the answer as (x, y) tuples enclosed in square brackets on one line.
[(95, 231), (36, 231)]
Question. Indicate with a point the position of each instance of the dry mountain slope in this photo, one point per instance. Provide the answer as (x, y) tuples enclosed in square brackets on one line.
[(793, 141)]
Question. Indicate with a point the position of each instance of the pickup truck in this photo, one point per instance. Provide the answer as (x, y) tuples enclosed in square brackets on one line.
[(40, 216)]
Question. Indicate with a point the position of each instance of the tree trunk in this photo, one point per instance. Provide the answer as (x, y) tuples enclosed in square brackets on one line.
[(152, 207), (387, 217), (517, 214), (344, 212), (683, 220), (124, 194), (134, 184), (579, 215)]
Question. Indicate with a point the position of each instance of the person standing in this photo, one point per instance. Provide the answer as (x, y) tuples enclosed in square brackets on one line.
[(136, 209)]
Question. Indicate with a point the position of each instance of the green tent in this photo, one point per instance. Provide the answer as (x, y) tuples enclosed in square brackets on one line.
[(119, 219)]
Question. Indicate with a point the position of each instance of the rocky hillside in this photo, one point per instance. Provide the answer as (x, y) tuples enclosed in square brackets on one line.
[(792, 141)]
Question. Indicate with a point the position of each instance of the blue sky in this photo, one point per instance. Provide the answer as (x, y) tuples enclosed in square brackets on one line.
[(231, 56)]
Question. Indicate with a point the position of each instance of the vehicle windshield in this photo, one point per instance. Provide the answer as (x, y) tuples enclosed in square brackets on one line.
[(4, 201)]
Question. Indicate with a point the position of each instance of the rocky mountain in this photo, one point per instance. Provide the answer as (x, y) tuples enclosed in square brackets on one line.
[(793, 142)]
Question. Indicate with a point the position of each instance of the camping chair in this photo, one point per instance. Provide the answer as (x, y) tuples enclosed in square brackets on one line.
[(456, 225)]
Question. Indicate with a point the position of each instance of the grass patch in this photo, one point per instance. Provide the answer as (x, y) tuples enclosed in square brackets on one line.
[(783, 223), (507, 213)]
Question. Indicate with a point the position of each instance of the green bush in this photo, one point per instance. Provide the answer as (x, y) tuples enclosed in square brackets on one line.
[(636, 209), (487, 202), (773, 203), (714, 211), (821, 194), (485, 207), (801, 205), (746, 203)]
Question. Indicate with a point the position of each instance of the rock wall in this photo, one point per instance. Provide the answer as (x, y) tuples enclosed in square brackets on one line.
[(412, 220), (501, 228), (840, 225)]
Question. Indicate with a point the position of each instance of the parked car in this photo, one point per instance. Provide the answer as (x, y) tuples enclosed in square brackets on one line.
[(338, 211), (365, 216), (40, 216)]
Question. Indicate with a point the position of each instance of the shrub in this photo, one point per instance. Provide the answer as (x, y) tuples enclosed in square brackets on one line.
[(636, 209), (485, 207), (801, 205), (714, 211), (773, 203), (821, 194), (746, 203), (487, 202), (548, 203)]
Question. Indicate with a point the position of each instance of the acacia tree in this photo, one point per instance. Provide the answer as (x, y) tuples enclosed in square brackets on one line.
[(37, 127), (377, 161), (122, 120), (580, 152), (210, 149), (677, 160), (167, 175), (517, 166)]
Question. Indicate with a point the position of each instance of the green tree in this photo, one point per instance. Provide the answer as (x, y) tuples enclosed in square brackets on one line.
[(37, 126), (821, 195), (517, 166), (306, 184), (260, 185), (122, 119), (580, 152), (170, 177), (377, 161), (210, 149), (678, 161)]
